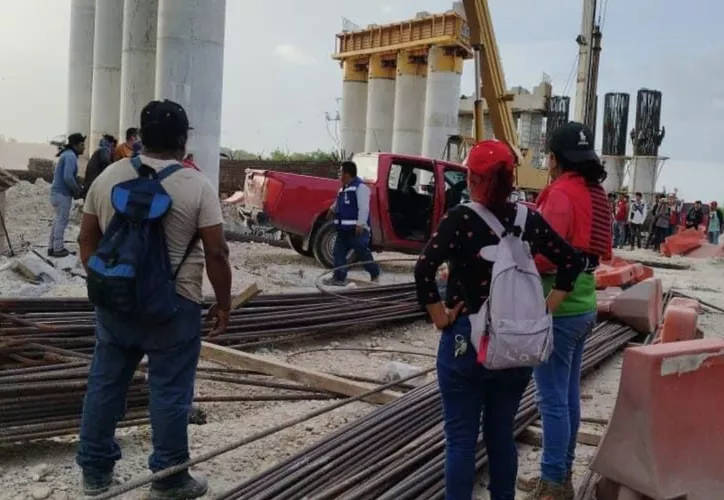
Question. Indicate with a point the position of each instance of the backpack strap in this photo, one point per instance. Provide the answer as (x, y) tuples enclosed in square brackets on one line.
[(195, 239), (488, 217), (521, 216), (146, 171)]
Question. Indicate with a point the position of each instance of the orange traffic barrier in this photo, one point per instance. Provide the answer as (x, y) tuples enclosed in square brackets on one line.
[(685, 241), (604, 300), (640, 307), (607, 276), (665, 250), (686, 302), (666, 435), (679, 323)]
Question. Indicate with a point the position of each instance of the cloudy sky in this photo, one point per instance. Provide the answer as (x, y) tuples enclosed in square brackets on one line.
[(279, 78)]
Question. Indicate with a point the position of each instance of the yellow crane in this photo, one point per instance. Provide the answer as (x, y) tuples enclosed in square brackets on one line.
[(490, 84)]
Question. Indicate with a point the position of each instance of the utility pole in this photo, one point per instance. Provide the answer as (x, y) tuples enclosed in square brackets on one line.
[(584, 95)]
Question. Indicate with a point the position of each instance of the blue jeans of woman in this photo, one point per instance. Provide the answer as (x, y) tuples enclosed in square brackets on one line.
[(468, 391), (714, 237), (559, 396)]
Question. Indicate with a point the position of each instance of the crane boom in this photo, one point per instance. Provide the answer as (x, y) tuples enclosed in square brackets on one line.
[(489, 71)]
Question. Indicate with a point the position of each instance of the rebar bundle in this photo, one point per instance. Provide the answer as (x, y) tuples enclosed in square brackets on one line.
[(268, 319), (46, 347), (397, 451)]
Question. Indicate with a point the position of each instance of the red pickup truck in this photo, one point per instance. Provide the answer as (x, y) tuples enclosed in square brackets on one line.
[(409, 196)]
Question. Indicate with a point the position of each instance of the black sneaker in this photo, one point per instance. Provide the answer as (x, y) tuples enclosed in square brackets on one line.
[(180, 486), (334, 282), (59, 254), (94, 484)]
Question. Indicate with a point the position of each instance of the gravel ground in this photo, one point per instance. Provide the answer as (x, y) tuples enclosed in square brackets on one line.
[(46, 469)]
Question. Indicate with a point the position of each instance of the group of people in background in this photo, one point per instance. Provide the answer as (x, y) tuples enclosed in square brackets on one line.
[(632, 219), (66, 185)]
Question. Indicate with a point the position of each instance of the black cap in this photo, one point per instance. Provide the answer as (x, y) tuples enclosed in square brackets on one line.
[(75, 138), (573, 141), (165, 117)]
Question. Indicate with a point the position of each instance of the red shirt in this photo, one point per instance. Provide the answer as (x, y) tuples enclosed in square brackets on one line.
[(579, 213), (621, 211), (190, 164)]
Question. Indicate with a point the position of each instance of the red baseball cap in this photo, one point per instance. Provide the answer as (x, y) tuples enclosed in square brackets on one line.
[(487, 154)]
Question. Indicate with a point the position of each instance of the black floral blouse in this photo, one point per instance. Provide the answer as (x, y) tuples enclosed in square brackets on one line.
[(458, 240)]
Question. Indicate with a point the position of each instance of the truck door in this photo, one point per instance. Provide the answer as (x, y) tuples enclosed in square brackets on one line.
[(410, 190)]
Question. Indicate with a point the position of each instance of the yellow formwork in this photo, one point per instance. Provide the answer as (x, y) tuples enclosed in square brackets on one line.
[(447, 30)]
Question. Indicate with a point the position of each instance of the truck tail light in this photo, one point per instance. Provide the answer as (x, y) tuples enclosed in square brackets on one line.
[(272, 192)]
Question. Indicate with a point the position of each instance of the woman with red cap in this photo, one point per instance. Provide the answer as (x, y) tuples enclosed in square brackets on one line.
[(576, 206), (467, 387)]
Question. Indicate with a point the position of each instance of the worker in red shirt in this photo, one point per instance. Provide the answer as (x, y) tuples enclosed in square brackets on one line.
[(620, 221)]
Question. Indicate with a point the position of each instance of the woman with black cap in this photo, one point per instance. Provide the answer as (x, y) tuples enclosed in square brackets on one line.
[(466, 386), (576, 207)]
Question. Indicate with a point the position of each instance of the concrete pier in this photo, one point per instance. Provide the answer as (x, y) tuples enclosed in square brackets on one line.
[(108, 42), (190, 71), (353, 120), (409, 109), (442, 100), (380, 104), (138, 73), (80, 66)]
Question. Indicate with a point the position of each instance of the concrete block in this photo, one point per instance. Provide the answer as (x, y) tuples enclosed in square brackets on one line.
[(396, 370), (37, 270), (680, 323), (666, 435), (640, 307)]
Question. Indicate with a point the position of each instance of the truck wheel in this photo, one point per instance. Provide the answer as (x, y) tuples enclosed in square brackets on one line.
[(323, 246), (297, 244)]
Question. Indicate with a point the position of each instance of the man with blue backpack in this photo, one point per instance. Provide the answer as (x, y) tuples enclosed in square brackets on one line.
[(142, 223)]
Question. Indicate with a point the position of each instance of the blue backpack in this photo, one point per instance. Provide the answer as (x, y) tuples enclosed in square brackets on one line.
[(130, 274)]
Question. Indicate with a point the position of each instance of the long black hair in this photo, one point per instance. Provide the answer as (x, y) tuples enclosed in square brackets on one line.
[(592, 171)]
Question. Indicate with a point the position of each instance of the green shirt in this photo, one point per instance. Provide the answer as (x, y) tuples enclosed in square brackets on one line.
[(581, 300)]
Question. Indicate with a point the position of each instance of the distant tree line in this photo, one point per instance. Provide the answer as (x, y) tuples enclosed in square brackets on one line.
[(281, 155)]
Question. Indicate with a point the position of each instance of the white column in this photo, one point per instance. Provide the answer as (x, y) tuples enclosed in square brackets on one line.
[(615, 166), (190, 71), (442, 100), (409, 103), (138, 63), (353, 121), (80, 66), (380, 104), (643, 176), (108, 42)]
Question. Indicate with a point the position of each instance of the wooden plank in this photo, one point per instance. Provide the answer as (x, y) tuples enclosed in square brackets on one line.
[(323, 381), (534, 437), (245, 296)]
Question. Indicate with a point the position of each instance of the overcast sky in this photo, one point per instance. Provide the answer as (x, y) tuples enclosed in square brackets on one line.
[(279, 79)]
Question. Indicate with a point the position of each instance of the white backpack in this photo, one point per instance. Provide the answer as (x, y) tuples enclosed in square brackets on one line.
[(513, 327)]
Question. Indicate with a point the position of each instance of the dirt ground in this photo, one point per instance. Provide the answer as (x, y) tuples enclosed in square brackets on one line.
[(46, 469)]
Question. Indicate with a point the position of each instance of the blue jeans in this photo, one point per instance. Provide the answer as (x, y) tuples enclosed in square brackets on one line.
[(173, 352), (346, 240), (558, 391), (619, 234), (469, 390), (714, 237), (61, 205)]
